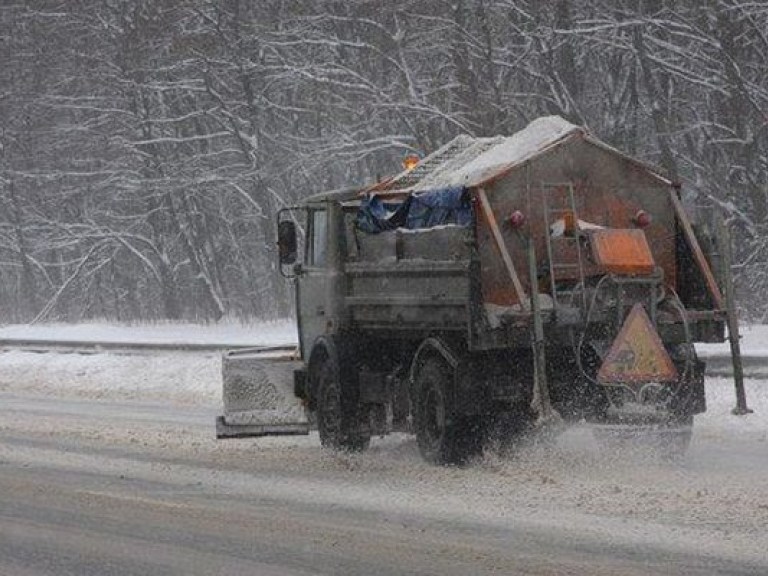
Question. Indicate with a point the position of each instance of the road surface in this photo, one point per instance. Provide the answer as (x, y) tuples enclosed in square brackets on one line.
[(117, 487)]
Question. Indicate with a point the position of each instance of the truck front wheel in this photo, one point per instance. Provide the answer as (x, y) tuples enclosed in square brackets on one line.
[(443, 436), (339, 419)]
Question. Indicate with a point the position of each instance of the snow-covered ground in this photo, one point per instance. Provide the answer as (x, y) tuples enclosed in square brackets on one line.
[(754, 338), (195, 378), (224, 333), (754, 342), (715, 502), (190, 378)]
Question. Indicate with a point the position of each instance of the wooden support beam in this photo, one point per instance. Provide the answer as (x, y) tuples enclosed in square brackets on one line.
[(724, 247), (485, 206), (698, 255)]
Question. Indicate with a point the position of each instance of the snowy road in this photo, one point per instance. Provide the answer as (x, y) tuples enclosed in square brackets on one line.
[(117, 486)]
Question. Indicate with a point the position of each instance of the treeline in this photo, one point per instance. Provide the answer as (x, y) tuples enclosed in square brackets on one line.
[(146, 144)]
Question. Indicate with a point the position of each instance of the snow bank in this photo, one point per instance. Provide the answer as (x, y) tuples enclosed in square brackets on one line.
[(176, 377), (173, 376), (225, 333), (718, 423), (754, 342), (196, 377)]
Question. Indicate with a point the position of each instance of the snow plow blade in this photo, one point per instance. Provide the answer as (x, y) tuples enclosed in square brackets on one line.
[(258, 394)]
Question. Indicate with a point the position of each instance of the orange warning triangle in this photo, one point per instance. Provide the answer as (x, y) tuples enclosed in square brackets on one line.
[(637, 355)]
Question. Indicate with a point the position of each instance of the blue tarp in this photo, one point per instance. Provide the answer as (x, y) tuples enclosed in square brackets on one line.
[(420, 210), (437, 207), (375, 215)]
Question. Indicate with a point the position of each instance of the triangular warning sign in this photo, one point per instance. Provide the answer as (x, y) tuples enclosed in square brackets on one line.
[(637, 355)]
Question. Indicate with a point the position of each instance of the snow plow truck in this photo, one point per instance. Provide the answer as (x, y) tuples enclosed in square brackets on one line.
[(498, 283)]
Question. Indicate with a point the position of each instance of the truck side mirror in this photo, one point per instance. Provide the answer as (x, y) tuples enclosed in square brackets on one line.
[(286, 242)]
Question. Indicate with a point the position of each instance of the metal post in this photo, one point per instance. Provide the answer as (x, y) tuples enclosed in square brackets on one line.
[(724, 240), (547, 414)]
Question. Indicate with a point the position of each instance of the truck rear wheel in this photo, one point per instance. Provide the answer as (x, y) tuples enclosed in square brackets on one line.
[(339, 419), (443, 436)]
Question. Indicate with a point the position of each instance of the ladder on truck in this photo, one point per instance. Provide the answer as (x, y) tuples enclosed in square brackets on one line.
[(560, 203)]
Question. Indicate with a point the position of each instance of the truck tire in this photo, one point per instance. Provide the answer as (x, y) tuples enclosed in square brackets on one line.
[(339, 419), (443, 436)]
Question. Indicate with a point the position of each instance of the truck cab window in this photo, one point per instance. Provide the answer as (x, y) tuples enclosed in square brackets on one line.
[(319, 223)]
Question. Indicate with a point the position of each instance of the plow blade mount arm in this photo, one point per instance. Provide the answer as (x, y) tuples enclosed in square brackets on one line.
[(258, 394)]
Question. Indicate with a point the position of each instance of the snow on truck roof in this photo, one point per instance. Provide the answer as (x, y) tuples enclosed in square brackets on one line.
[(502, 153), (467, 161)]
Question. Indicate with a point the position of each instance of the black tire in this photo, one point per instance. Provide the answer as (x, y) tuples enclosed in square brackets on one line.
[(340, 422), (443, 436)]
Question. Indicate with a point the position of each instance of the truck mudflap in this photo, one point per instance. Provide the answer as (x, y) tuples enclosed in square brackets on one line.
[(258, 394)]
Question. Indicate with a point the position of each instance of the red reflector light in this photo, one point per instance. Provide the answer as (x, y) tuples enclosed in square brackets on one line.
[(516, 219), (642, 219)]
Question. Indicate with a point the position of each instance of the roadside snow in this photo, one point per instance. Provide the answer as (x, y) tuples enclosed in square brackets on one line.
[(718, 422), (195, 378), (178, 377), (181, 377), (754, 342), (225, 333)]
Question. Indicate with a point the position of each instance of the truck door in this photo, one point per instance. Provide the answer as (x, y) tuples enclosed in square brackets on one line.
[(312, 282)]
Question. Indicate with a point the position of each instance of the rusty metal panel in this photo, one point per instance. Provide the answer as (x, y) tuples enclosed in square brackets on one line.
[(637, 354), (609, 191)]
